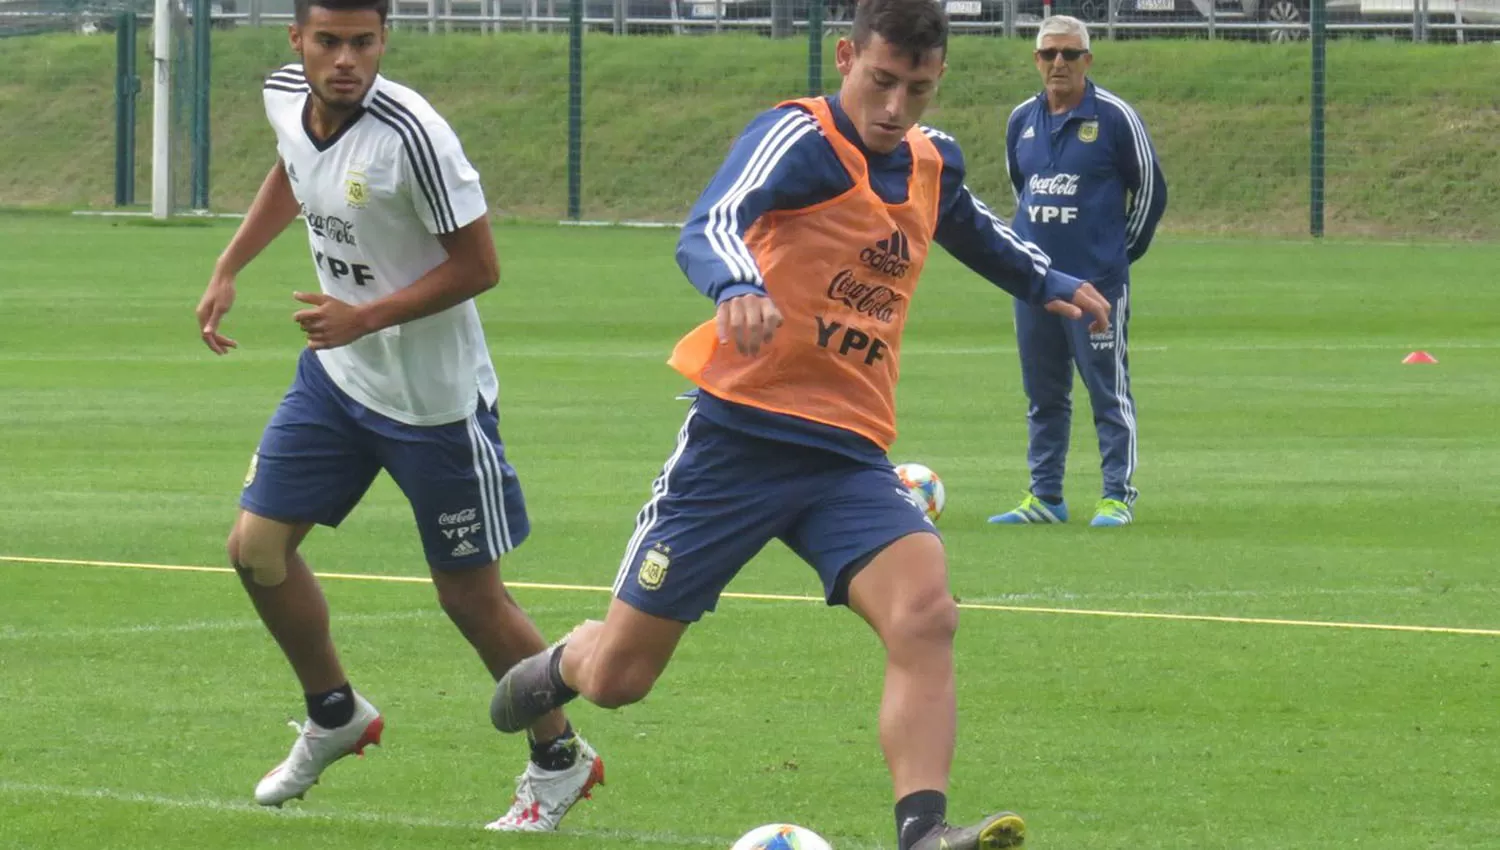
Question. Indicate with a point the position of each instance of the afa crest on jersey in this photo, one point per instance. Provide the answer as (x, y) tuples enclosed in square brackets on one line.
[(356, 189), (1088, 131)]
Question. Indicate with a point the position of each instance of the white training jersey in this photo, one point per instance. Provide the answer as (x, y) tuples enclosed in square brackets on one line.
[(375, 196)]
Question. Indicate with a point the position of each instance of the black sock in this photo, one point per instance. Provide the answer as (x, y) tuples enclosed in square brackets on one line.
[(560, 753), (1054, 501), (331, 709), (565, 694), (917, 813)]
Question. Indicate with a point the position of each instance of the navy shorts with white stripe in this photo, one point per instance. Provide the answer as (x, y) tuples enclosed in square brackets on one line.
[(322, 449), (723, 495)]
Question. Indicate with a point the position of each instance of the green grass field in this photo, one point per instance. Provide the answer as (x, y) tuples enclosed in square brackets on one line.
[(1293, 472)]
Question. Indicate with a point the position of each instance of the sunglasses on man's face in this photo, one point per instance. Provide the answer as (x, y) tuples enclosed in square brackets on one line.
[(1071, 54)]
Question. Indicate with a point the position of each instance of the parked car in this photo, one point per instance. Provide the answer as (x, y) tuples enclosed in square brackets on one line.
[(641, 16), (759, 11), (1481, 12), (971, 14), (1287, 19)]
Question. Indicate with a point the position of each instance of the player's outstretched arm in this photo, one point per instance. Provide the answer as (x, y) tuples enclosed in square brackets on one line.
[(273, 209), (979, 239), (471, 268)]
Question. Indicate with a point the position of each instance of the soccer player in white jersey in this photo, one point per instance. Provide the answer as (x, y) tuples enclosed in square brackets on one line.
[(395, 376)]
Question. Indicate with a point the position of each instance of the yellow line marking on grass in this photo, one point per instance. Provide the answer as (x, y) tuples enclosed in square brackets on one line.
[(525, 585), (781, 597)]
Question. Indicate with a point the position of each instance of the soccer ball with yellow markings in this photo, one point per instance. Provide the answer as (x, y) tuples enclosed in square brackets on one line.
[(926, 488)]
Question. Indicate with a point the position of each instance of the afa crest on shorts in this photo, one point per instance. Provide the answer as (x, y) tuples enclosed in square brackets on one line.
[(1088, 131), (654, 567), (356, 188)]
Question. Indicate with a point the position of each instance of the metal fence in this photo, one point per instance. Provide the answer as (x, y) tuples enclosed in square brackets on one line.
[(1269, 20), (1386, 138)]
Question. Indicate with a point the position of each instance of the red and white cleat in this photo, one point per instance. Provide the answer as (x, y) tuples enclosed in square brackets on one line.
[(544, 796), (316, 748)]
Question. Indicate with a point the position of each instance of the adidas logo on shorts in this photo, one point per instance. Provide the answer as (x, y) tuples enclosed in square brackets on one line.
[(464, 549)]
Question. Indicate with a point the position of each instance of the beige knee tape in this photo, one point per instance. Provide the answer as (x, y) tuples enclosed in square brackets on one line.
[(267, 569), (269, 575)]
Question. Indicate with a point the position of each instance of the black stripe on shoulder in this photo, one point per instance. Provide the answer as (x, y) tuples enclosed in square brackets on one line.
[(431, 150), (418, 162), (421, 149), (287, 78), (276, 86)]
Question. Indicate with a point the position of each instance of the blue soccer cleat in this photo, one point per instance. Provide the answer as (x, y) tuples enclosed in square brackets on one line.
[(1111, 513), (1033, 511)]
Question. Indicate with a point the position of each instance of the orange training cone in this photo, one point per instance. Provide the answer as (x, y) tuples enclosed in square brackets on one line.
[(1419, 357)]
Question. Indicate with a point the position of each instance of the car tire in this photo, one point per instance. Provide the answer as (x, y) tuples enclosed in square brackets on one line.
[(1289, 15), (1091, 10)]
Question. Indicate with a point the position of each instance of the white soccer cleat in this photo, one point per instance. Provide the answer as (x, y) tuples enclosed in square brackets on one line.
[(316, 748), (544, 796)]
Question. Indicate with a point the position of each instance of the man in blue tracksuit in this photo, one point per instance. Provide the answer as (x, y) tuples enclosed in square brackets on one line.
[(1089, 192)]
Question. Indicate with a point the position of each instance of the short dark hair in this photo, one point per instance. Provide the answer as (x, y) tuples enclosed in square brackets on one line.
[(381, 6), (913, 27)]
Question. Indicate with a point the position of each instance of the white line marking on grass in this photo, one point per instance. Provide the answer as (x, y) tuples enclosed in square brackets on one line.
[(976, 350), (1197, 240), (1209, 618), (7, 633), (660, 353), (177, 219), (1063, 596), (327, 815), (211, 805), (648, 225), (779, 597)]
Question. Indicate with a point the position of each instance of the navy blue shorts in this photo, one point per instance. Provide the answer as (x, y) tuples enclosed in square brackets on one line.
[(723, 495), (322, 450)]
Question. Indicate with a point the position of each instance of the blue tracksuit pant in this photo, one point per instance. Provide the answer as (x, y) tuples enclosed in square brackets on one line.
[(1049, 347)]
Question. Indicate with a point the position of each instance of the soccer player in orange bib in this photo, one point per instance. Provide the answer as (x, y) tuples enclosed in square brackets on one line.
[(810, 239)]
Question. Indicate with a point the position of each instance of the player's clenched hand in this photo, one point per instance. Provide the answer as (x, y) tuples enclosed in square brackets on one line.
[(216, 301), (749, 321), (330, 323), (1086, 301)]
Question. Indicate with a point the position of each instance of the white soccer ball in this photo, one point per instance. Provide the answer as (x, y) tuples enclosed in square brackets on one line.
[(926, 488), (781, 836)]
